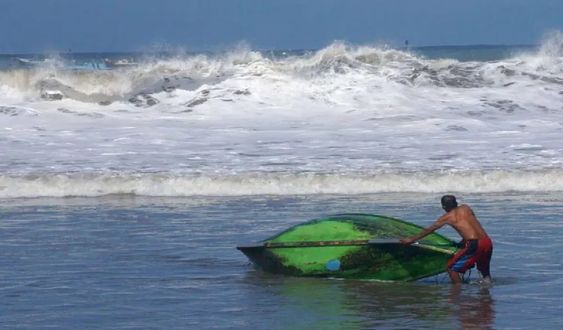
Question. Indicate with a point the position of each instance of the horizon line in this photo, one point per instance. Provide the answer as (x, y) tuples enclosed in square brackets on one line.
[(180, 50)]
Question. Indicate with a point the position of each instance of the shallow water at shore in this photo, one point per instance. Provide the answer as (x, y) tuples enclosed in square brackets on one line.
[(140, 262)]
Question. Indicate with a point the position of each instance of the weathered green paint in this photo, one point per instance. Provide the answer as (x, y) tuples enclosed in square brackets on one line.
[(315, 247), (322, 230)]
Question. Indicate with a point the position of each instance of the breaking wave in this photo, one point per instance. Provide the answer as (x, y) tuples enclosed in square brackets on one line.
[(279, 184), (341, 120), (335, 65)]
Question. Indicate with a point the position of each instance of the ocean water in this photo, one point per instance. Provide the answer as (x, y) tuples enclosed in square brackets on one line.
[(128, 262), (126, 181), (340, 120)]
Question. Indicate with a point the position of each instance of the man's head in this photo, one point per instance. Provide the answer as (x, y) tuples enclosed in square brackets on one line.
[(449, 202)]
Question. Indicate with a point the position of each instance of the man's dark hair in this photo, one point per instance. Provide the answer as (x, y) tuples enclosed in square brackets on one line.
[(449, 202)]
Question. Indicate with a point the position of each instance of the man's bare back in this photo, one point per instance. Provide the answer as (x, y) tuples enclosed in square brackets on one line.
[(463, 220)]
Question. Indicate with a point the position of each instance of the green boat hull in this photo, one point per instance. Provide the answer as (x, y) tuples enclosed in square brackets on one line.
[(354, 246)]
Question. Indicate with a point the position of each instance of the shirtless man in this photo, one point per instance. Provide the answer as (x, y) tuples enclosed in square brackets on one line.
[(477, 246)]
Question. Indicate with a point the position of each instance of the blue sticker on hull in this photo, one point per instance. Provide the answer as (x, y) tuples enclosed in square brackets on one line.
[(333, 265)]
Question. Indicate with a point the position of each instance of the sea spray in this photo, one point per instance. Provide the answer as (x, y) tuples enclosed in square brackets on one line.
[(341, 120)]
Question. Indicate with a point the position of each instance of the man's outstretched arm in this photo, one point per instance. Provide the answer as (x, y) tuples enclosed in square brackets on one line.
[(426, 231)]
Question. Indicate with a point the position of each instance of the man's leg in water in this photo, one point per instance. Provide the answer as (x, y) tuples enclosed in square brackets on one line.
[(455, 277), (487, 279), (486, 275), (484, 265)]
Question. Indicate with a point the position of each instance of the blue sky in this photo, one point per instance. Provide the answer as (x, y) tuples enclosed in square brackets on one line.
[(136, 25)]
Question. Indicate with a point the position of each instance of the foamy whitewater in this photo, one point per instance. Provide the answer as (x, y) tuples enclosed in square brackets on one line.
[(343, 120)]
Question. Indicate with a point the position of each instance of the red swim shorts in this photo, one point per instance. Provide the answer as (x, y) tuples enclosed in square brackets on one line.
[(474, 252)]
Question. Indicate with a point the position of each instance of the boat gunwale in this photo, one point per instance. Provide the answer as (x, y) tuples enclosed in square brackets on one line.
[(442, 248)]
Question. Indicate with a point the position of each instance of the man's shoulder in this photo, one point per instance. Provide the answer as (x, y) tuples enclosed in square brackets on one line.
[(464, 207), (460, 212), (464, 211)]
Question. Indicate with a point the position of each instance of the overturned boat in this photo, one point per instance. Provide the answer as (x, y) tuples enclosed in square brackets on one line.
[(354, 246)]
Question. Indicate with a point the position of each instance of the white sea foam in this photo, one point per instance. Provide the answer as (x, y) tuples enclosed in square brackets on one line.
[(246, 123), (278, 184)]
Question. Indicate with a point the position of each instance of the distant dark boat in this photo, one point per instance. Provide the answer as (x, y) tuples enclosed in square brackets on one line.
[(353, 246)]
